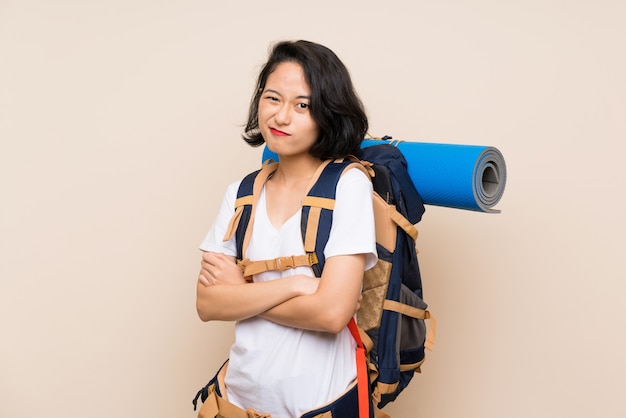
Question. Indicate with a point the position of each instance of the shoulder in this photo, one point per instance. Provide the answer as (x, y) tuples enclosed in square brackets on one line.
[(233, 187), (230, 196), (354, 191), (353, 177)]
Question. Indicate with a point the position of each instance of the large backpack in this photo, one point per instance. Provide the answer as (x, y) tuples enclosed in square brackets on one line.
[(391, 330)]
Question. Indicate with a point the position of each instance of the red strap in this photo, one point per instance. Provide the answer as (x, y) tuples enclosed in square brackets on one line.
[(361, 371)]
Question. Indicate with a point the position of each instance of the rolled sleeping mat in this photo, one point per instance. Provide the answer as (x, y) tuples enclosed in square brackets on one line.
[(470, 177), (457, 176)]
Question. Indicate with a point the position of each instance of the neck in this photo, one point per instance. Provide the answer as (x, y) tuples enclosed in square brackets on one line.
[(292, 169)]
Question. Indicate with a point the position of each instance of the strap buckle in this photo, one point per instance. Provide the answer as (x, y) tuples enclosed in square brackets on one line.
[(284, 263)]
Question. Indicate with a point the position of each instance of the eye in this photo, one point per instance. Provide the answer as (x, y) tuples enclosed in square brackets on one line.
[(302, 105)]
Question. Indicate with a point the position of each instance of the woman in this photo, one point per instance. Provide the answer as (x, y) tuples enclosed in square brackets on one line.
[(292, 350)]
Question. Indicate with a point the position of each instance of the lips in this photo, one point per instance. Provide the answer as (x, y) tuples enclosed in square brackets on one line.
[(277, 132)]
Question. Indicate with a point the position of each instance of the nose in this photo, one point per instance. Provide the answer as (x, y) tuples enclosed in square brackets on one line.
[(283, 114)]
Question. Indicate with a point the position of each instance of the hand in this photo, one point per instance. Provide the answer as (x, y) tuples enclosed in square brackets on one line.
[(218, 268)]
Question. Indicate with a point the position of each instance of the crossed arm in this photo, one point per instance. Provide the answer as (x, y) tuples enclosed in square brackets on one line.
[(299, 301)]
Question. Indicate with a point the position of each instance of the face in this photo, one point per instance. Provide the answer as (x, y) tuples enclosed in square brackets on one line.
[(285, 119)]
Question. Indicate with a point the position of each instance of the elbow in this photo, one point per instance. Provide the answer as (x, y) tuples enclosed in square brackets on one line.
[(334, 322), (205, 309), (202, 315), (337, 328), (204, 312)]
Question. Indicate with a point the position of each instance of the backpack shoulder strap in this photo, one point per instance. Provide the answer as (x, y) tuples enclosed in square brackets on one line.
[(317, 211), (248, 193)]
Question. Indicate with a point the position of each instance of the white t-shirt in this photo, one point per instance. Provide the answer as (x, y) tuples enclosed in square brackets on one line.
[(281, 370)]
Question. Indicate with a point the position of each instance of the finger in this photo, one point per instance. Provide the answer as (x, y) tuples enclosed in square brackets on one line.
[(206, 265), (209, 260), (207, 274), (209, 257), (215, 262), (203, 280), (220, 258), (213, 255)]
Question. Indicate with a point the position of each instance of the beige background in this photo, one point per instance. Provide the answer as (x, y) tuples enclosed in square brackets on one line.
[(119, 129)]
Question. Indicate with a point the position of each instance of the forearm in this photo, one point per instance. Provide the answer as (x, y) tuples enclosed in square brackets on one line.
[(330, 308), (309, 312), (234, 302)]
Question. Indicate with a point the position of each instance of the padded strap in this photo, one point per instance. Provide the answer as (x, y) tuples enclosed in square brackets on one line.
[(319, 203), (259, 182), (315, 205), (313, 221), (248, 202)]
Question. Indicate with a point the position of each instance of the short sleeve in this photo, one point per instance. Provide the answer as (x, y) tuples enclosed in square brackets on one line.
[(214, 240), (353, 229)]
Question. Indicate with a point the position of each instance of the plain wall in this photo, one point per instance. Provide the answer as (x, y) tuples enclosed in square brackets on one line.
[(120, 127)]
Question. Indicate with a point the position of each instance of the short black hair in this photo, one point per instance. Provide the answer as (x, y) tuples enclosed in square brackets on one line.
[(335, 106)]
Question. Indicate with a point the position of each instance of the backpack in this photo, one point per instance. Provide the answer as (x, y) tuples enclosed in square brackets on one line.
[(391, 334)]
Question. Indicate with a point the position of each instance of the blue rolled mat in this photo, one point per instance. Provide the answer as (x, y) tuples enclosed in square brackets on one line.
[(470, 177)]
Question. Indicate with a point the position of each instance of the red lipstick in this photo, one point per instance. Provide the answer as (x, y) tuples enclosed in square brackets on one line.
[(276, 132)]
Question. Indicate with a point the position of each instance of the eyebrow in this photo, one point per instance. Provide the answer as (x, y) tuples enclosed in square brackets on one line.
[(278, 93)]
